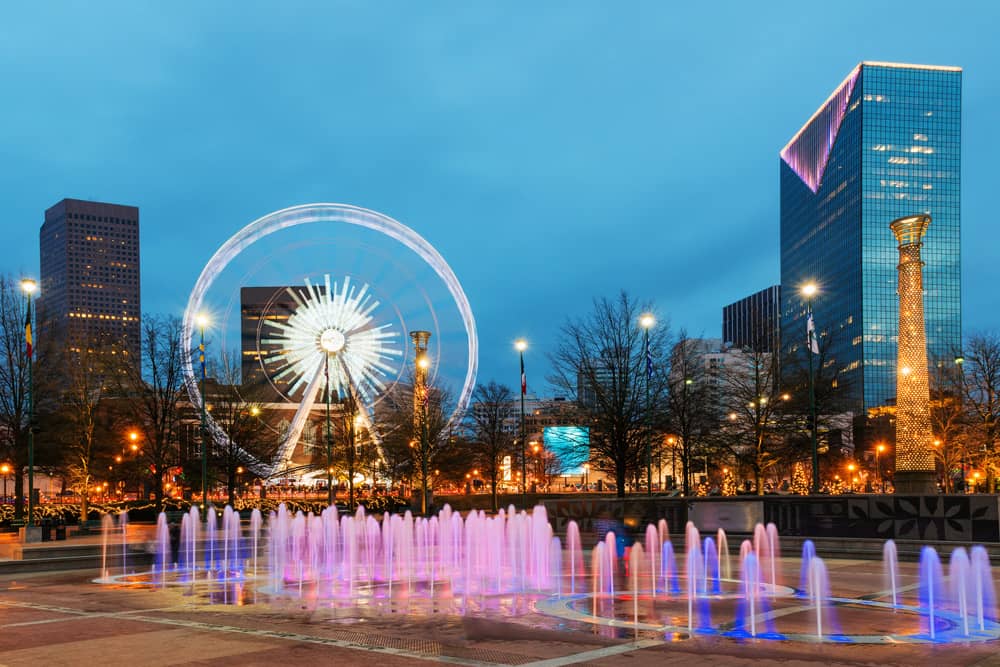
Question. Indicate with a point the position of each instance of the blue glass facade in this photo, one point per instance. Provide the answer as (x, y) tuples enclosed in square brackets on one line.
[(886, 144)]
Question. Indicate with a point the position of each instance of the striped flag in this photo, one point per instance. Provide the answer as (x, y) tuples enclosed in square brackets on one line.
[(524, 378), (27, 332), (649, 361), (201, 358), (811, 334)]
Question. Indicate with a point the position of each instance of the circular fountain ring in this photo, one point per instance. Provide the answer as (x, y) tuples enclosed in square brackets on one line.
[(564, 609)]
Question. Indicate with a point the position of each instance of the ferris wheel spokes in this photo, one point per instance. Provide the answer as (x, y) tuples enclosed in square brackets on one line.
[(284, 457)]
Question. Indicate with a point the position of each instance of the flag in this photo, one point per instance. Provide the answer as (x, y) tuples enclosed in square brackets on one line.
[(524, 378), (201, 359), (811, 334), (27, 332), (649, 361)]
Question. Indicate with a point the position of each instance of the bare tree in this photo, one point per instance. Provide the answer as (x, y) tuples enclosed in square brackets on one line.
[(692, 401), (396, 446), (949, 421), (490, 418), (424, 424), (247, 440), (755, 427), (981, 383), (14, 385), (832, 401), (601, 361), (157, 392), (90, 375)]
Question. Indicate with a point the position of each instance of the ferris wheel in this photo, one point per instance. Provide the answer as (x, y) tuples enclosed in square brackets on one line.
[(354, 284)]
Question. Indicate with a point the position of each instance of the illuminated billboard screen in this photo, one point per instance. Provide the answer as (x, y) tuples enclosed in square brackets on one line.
[(570, 445)]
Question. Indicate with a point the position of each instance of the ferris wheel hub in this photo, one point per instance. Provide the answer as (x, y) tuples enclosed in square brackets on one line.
[(332, 340)]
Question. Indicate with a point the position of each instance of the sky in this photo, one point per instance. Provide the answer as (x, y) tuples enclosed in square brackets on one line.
[(551, 152)]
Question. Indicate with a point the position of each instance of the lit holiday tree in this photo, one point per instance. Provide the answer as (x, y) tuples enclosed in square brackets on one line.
[(800, 479), (728, 482)]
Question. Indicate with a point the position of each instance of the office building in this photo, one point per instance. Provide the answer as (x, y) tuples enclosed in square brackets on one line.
[(89, 266), (753, 321), (885, 144), (257, 306)]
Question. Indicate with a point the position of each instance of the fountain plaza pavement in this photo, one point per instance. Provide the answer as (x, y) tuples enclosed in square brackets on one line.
[(62, 618)]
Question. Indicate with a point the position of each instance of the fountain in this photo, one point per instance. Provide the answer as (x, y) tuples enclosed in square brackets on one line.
[(818, 594), (890, 566), (808, 553), (959, 581), (512, 562), (931, 585), (723, 544)]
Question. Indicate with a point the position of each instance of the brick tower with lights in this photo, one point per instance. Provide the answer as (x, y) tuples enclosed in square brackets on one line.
[(915, 470)]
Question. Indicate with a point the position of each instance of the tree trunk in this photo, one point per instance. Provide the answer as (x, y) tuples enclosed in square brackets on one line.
[(620, 479), (757, 479), (686, 471), (493, 485), (83, 499), (423, 487)]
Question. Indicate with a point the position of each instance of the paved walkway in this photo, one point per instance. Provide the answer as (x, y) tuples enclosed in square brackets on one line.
[(62, 619)]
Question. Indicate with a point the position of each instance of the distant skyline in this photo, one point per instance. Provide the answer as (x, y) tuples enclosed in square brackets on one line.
[(552, 154)]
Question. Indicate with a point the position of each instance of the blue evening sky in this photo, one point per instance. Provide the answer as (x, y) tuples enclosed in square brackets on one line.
[(552, 152)]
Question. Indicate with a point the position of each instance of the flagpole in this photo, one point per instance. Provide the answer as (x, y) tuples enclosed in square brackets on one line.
[(521, 346), (202, 322), (29, 286), (808, 291), (647, 321)]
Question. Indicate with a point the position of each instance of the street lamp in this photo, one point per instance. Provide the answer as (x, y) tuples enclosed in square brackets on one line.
[(809, 291), (672, 441), (5, 470), (647, 321), (850, 469), (29, 287), (521, 345), (202, 321), (878, 469)]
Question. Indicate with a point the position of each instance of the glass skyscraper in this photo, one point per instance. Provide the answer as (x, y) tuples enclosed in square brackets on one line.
[(885, 144)]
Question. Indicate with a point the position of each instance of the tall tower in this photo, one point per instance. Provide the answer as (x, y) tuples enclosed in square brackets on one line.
[(89, 256), (421, 364), (914, 459)]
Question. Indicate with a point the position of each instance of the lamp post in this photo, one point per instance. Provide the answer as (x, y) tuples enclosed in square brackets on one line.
[(850, 469), (329, 435), (332, 341), (672, 441), (202, 322), (5, 470), (809, 291), (521, 345), (29, 286), (646, 321), (878, 469)]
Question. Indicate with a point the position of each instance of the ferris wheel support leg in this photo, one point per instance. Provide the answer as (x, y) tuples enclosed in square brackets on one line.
[(284, 458)]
